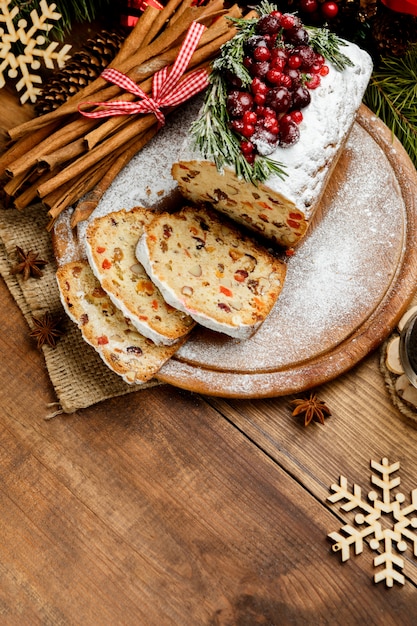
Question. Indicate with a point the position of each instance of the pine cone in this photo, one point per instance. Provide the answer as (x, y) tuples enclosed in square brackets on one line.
[(83, 67), (393, 32)]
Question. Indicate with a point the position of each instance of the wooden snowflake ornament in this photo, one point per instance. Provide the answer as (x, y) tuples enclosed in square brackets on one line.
[(22, 47), (369, 522)]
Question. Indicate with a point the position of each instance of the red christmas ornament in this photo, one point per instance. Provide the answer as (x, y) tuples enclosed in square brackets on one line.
[(402, 6)]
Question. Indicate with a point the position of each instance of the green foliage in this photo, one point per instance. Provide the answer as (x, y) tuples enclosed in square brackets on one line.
[(71, 11), (392, 96)]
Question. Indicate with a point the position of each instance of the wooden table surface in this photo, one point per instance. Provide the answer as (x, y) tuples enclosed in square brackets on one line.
[(165, 507)]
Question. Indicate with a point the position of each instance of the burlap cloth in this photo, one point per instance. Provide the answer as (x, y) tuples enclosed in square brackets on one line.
[(78, 375)]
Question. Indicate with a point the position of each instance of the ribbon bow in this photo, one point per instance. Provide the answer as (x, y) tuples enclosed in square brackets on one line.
[(167, 89)]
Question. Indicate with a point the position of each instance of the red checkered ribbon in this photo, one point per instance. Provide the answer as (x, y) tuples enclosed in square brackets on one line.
[(167, 88)]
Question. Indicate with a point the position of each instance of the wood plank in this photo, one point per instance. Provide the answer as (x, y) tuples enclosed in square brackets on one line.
[(154, 509), (364, 425)]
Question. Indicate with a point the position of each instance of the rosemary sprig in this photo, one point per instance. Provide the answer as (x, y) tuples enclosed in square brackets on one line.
[(328, 44), (215, 140)]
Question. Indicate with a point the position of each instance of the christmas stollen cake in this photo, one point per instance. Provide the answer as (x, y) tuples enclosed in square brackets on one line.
[(110, 244), (125, 351), (272, 126), (204, 266)]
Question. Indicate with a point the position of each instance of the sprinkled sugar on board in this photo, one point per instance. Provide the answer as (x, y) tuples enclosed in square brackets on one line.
[(347, 284)]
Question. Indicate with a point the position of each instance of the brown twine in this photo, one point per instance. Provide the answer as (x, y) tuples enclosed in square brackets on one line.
[(78, 375)]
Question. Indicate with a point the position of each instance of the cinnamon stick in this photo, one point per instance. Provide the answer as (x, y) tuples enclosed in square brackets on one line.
[(86, 206), (161, 18), (24, 145), (28, 195), (167, 38), (58, 157), (60, 138), (99, 152)]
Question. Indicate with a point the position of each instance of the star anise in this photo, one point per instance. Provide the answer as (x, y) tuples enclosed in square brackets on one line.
[(46, 330), (312, 408), (29, 264)]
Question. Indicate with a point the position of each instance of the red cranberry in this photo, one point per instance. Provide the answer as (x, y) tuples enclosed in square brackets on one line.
[(297, 36), (247, 130), (259, 87), (264, 141), (237, 126), (294, 62), (250, 117), (295, 76), (313, 82), (238, 102), (262, 111), (270, 123), (260, 69), (279, 99), (254, 42), (286, 81), (261, 53), (259, 99), (279, 56), (307, 56), (308, 6), (268, 24), (296, 116), (324, 70), (301, 97), (248, 63), (288, 21), (246, 147), (329, 10), (289, 134), (274, 76)]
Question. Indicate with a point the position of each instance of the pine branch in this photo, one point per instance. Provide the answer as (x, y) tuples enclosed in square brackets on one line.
[(392, 96), (74, 11)]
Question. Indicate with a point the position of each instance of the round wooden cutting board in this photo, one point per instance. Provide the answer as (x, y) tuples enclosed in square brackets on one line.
[(347, 285)]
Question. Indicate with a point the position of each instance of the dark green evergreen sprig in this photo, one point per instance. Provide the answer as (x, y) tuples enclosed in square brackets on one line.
[(71, 11), (328, 44), (392, 96)]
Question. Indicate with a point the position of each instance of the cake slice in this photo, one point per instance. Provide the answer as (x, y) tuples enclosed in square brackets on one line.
[(110, 247), (204, 266), (133, 357), (296, 110)]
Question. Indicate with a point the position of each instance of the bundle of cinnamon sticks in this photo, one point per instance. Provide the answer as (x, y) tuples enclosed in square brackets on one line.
[(65, 159)]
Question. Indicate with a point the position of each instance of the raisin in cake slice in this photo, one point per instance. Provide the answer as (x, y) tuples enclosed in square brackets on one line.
[(125, 351), (206, 267), (302, 125), (110, 247)]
